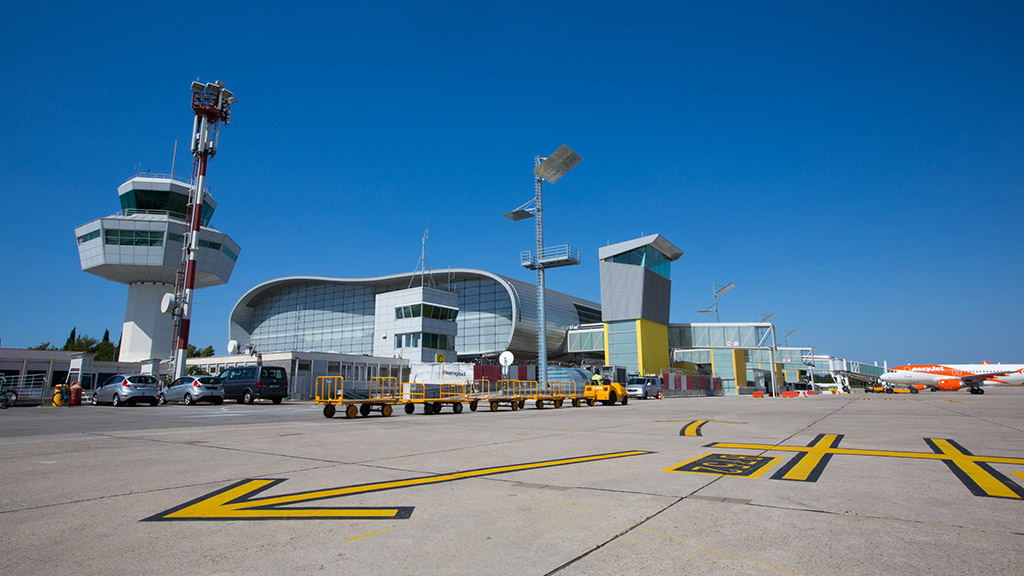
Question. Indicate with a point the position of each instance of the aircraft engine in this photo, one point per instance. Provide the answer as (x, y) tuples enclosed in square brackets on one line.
[(948, 385)]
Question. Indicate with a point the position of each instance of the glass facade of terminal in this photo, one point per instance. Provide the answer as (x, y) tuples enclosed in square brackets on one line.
[(338, 315), (622, 348)]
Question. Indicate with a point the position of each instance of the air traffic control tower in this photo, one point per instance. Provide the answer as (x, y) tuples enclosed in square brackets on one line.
[(635, 295), (142, 246)]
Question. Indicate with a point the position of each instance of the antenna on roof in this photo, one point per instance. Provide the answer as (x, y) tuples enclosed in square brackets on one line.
[(422, 265)]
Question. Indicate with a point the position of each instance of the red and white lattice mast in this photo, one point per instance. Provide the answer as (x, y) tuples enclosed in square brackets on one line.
[(212, 103)]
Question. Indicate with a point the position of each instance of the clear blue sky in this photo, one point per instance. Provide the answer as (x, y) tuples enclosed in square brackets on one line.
[(853, 167)]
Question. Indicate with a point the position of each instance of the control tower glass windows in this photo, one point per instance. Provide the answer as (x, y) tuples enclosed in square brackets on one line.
[(133, 237), (415, 339), (161, 202), (647, 257), (426, 311), (87, 237)]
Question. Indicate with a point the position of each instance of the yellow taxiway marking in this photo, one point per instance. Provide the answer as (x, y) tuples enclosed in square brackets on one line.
[(237, 502), (694, 426), (975, 472), (354, 538)]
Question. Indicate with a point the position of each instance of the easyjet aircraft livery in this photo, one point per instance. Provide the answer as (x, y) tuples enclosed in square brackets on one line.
[(954, 376)]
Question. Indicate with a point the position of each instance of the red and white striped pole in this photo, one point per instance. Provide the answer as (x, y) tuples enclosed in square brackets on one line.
[(211, 104)]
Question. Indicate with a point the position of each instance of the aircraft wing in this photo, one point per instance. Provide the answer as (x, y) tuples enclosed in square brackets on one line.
[(979, 379)]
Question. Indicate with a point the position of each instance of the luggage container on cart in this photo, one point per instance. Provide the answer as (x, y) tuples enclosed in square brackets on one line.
[(434, 397), (496, 393), (380, 394)]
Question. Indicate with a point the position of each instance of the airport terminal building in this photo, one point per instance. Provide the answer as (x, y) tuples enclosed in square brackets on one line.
[(461, 314)]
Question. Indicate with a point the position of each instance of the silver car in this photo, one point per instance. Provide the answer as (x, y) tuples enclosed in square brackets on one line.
[(192, 389), (643, 387), (127, 389)]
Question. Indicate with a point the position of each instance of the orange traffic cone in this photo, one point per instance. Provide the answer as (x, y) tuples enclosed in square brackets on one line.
[(659, 394)]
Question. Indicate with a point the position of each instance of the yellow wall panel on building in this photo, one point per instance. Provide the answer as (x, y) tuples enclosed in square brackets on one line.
[(652, 346), (739, 363)]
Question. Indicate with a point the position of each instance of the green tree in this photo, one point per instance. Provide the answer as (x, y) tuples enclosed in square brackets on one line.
[(196, 371), (71, 340), (194, 352), (43, 346), (82, 343), (106, 336), (104, 351)]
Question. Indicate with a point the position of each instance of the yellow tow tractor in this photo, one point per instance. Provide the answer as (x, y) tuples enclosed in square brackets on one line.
[(605, 391)]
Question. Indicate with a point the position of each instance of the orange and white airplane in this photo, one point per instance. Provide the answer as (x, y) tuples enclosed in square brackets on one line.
[(950, 377)]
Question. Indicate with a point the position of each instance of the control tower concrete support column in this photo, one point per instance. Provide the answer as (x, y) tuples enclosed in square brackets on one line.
[(146, 329)]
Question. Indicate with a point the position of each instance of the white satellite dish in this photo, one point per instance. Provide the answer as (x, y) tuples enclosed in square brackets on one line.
[(232, 346), (168, 303), (506, 358)]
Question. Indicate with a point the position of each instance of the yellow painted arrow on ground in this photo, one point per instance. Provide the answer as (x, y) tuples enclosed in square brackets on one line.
[(237, 502)]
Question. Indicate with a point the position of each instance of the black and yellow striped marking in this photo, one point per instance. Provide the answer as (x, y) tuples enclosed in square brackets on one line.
[(728, 465), (237, 502), (693, 428), (975, 472)]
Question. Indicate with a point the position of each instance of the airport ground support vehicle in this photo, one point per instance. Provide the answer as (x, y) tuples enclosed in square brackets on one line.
[(8, 397), (606, 392), (128, 389), (192, 389), (643, 387), (246, 384)]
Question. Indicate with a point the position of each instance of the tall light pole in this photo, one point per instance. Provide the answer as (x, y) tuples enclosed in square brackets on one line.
[(551, 169), (719, 290), (786, 337), (211, 103)]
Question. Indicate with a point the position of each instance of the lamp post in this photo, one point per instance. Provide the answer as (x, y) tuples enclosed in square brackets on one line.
[(211, 103), (787, 335), (719, 290), (771, 351), (551, 169)]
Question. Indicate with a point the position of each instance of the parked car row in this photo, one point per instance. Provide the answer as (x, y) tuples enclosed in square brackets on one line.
[(244, 384)]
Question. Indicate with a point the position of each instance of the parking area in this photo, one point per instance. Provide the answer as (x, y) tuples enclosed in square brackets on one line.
[(853, 484)]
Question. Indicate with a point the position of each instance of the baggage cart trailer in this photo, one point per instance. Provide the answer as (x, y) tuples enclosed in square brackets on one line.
[(549, 393), (433, 399), (382, 394), (496, 393)]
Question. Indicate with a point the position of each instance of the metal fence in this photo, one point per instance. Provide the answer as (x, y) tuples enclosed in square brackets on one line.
[(31, 388)]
